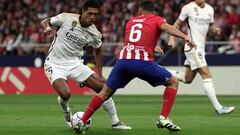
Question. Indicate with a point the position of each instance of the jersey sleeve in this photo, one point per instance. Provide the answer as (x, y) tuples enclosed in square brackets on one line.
[(57, 20), (96, 37), (184, 13), (211, 15), (160, 21), (97, 41)]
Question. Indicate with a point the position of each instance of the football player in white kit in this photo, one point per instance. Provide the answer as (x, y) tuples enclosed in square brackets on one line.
[(76, 31), (200, 18)]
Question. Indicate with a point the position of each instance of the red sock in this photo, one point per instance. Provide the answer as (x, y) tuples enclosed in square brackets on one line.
[(94, 104), (168, 100)]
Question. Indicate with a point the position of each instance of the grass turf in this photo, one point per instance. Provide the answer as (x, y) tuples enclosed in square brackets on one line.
[(41, 115)]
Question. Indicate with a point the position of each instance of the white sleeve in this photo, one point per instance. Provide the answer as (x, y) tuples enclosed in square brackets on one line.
[(97, 41), (57, 20), (212, 15), (96, 36), (184, 14)]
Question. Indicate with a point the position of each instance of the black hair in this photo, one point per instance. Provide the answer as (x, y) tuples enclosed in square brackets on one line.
[(91, 4), (147, 5)]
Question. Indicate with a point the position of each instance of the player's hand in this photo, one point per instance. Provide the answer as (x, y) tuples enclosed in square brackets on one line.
[(171, 42), (47, 31), (158, 50), (217, 31), (190, 43)]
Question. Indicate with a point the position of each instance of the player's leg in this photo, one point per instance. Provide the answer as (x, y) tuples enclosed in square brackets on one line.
[(169, 96), (96, 102), (210, 91), (161, 76), (187, 76), (94, 83), (180, 75), (61, 87), (117, 79), (90, 79), (57, 77), (93, 106)]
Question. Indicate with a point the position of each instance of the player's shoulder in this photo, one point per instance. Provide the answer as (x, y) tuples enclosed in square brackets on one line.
[(72, 15), (93, 29), (208, 6), (189, 5), (146, 18)]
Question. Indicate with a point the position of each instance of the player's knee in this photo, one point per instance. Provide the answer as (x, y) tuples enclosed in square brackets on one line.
[(99, 87), (65, 95), (173, 82), (106, 93)]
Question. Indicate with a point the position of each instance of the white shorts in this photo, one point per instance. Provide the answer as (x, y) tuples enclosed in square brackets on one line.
[(195, 59), (78, 72)]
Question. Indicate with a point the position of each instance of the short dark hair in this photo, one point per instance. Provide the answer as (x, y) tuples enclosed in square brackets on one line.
[(147, 5), (91, 4)]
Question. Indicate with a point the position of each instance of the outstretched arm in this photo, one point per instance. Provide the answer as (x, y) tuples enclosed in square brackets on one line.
[(170, 29), (46, 25), (171, 40)]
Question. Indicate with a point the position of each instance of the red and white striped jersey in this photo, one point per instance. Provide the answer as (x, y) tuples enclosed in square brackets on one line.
[(141, 35)]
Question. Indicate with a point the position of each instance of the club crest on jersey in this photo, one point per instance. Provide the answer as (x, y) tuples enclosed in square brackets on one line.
[(74, 24), (196, 10)]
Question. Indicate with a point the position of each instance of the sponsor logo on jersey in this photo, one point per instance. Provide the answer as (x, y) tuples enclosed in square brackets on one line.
[(202, 21), (75, 39)]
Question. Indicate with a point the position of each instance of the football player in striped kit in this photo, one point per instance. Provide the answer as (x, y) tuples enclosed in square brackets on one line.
[(136, 60)]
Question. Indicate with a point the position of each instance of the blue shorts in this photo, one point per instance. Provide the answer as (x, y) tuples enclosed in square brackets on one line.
[(126, 70)]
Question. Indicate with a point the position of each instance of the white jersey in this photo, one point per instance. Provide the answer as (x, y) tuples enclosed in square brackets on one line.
[(198, 20), (71, 38)]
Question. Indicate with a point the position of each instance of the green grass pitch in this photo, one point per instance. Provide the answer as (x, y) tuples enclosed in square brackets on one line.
[(41, 115)]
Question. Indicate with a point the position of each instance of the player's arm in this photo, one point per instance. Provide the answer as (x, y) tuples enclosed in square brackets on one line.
[(50, 22), (171, 40), (213, 28), (46, 25), (98, 53), (170, 29), (182, 17)]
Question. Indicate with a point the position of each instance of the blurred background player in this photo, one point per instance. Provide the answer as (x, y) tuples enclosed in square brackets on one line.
[(136, 60), (64, 59), (200, 19)]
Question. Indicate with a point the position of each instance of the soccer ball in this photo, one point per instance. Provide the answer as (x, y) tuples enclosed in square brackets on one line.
[(77, 117)]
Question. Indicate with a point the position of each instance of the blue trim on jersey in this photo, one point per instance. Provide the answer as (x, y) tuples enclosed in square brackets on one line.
[(126, 70)]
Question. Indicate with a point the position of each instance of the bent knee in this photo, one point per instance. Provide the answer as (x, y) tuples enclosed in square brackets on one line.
[(173, 82), (98, 87), (65, 95)]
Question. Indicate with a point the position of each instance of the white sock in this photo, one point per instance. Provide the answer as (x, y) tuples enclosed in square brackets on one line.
[(210, 91), (162, 117), (109, 106), (178, 74), (63, 104)]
